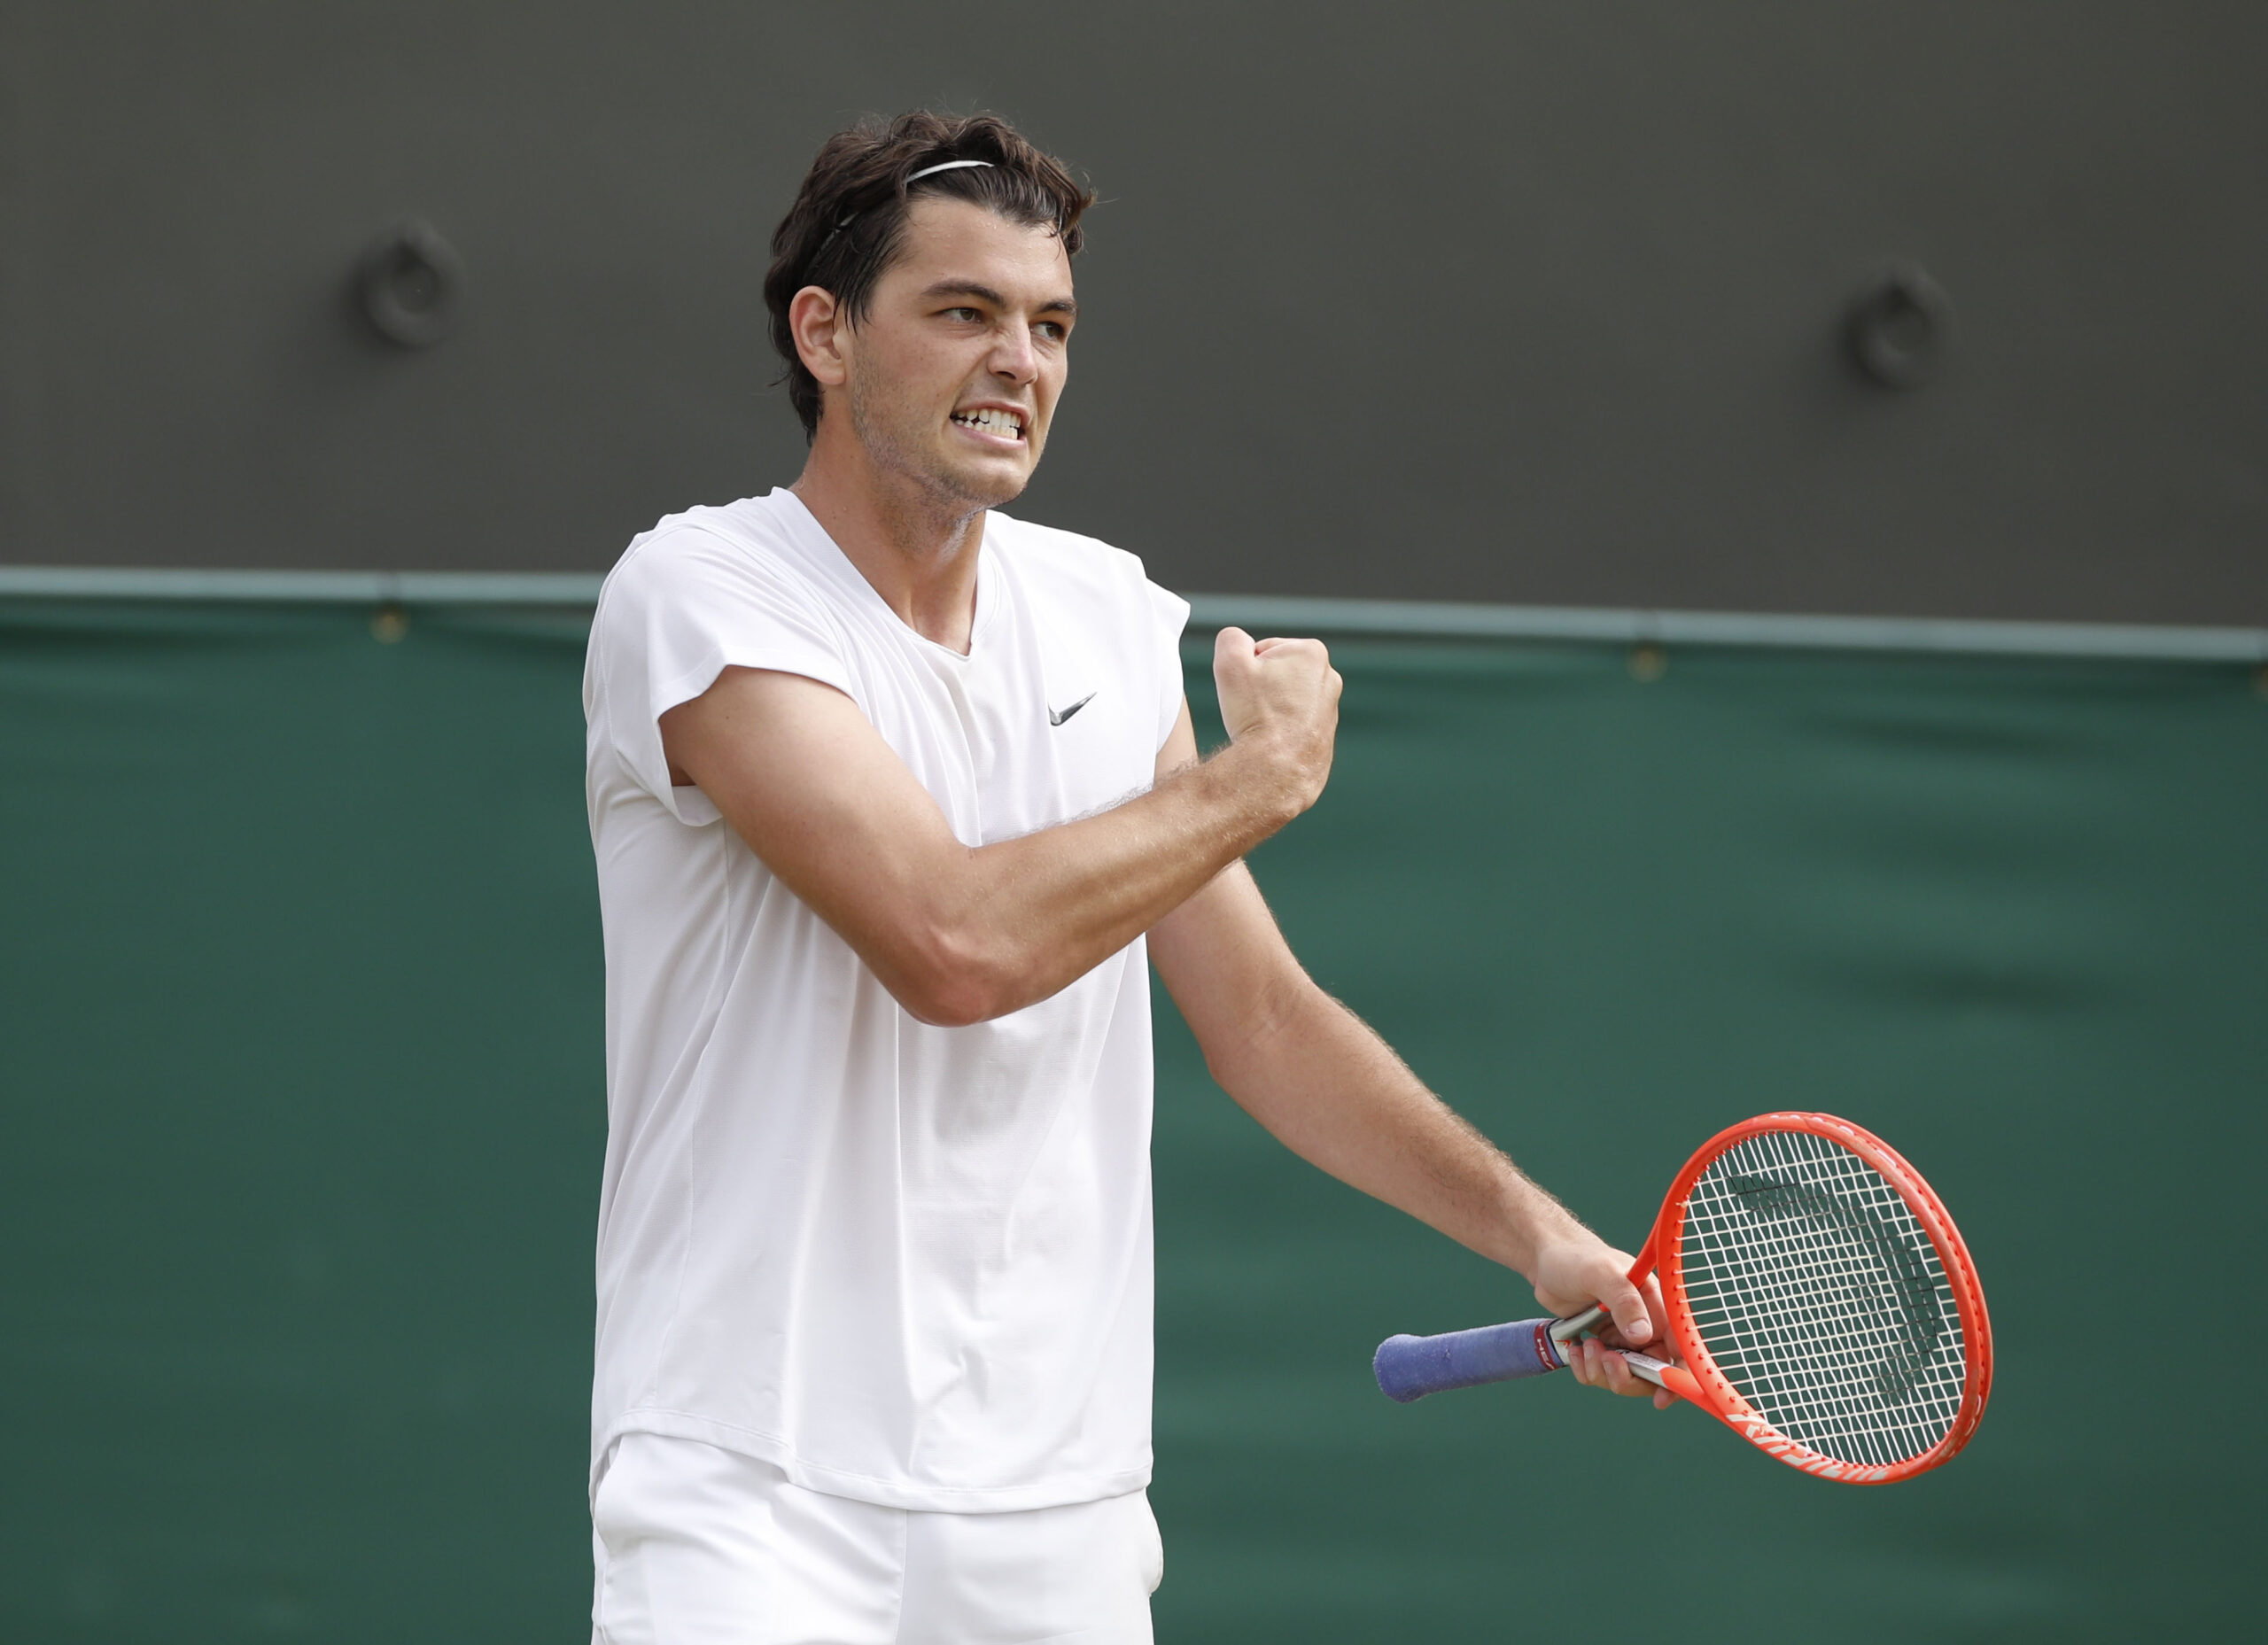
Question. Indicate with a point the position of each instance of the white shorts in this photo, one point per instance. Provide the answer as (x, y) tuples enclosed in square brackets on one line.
[(696, 1545)]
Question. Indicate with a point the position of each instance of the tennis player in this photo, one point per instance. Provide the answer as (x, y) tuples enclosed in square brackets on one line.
[(895, 800)]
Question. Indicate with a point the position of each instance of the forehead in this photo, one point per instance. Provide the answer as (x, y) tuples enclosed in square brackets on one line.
[(955, 241)]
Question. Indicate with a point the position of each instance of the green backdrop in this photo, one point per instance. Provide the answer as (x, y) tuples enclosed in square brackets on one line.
[(299, 1049)]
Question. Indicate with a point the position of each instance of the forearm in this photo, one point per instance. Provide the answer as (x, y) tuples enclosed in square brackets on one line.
[(1018, 919), (1311, 1072), (1333, 1092)]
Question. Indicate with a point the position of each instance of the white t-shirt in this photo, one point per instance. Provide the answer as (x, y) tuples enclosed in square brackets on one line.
[(906, 1264)]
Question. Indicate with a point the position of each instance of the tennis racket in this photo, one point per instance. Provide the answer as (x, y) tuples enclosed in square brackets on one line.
[(1820, 1300)]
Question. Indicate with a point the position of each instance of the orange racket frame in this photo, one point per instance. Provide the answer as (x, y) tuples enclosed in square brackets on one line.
[(1699, 1381)]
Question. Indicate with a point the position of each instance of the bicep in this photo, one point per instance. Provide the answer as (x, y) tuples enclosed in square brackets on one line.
[(816, 793), (1180, 747)]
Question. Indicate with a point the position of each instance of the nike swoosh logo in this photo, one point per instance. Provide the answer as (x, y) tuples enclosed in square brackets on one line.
[(1057, 716)]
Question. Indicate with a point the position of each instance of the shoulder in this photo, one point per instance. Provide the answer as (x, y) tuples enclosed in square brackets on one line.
[(735, 552), (705, 590)]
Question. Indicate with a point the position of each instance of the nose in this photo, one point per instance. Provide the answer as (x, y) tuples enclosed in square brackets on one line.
[(1013, 359)]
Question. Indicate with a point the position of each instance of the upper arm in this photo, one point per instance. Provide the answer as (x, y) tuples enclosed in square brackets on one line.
[(814, 791), (1180, 747)]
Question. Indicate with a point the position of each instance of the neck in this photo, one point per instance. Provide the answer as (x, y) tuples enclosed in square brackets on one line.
[(917, 548)]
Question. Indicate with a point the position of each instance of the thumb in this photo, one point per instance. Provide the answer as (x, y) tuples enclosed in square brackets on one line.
[(1234, 666), (1621, 1299)]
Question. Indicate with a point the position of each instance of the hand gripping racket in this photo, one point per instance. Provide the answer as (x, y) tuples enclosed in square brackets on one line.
[(1820, 1298)]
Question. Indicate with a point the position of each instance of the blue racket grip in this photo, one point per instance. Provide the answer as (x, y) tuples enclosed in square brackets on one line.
[(1410, 1368)]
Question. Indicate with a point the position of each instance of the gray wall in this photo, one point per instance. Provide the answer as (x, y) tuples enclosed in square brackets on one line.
[(1512, 302)]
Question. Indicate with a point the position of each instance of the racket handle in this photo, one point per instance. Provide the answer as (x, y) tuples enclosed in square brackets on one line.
[(1410, 1368)]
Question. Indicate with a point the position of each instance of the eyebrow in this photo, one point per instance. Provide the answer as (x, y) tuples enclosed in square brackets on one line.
[(970, 288)]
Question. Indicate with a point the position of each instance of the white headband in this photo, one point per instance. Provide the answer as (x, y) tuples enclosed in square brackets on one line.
[(925, 172), (930, 171)]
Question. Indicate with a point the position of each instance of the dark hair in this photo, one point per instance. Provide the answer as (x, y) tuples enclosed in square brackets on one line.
[(849, 219)]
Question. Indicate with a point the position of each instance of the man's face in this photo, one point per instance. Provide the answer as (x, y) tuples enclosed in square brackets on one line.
[(954, 370)]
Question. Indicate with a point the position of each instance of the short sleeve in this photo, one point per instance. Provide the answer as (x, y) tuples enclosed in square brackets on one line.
[(1168, 616), (683, 606)]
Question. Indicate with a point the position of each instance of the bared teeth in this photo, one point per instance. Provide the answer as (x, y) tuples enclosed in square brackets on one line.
[(1002, 422)]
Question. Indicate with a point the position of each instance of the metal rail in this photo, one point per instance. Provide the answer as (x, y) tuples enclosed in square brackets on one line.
[(1281, 613)]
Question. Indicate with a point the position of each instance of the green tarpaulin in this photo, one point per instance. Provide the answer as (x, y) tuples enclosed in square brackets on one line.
[(300, 1051)]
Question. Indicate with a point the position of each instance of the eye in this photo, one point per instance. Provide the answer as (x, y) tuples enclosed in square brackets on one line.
[(964, 313), (1053, 330)]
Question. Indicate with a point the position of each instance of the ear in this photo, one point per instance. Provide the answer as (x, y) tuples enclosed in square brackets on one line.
[(815, 320)]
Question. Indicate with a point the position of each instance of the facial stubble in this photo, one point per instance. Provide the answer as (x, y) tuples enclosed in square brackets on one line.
[(900, 439)]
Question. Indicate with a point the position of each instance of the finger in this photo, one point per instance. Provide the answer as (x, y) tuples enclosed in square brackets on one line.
[(1604, 1363), (1231, 647), (1666, 1344), (1631, 1385), (1598, 1366), (1631, 1318), (1587, 1360), (1649, 1290), (1664, 1399), (1291, 645)]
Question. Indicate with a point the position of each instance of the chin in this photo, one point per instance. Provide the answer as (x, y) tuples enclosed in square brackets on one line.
[(985, 487)]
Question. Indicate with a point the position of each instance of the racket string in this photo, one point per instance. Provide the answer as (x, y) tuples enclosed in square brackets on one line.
[(1833, 1391), (1835, 1298), (1822, 1298), (1841, 1392)]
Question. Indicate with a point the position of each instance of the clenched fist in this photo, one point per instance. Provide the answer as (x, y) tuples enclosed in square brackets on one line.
[(1279, 698)]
